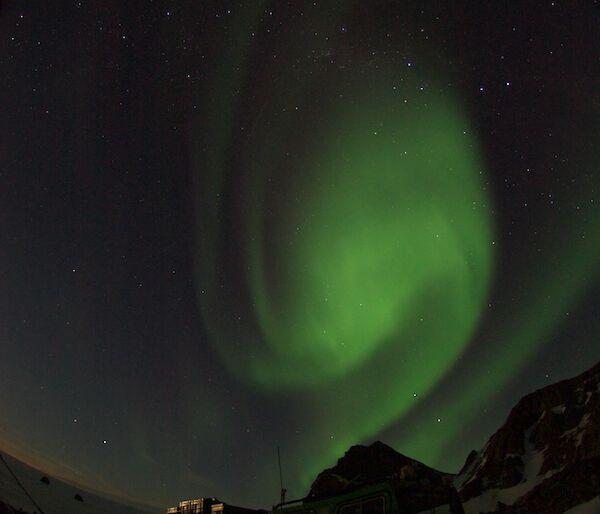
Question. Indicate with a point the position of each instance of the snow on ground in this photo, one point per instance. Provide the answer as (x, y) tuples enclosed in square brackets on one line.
[(532, 462), (471, 472), (591, 507), (579, 430), (468, 474), (56, 497)]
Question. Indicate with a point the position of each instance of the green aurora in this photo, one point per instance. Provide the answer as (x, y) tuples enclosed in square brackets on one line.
[(359, 222), (233, 227), (378, 230)]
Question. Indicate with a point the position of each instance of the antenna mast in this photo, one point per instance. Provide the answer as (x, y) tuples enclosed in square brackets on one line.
[(283, 489)]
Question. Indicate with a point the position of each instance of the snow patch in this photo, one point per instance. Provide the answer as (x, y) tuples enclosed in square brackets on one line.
[(460, 480), (559, 409), (488, 501), (579, 431), (471, 472), (533, 460), (477, 467)]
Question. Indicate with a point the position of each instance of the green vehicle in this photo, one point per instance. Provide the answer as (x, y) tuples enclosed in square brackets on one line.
[(388, 497)]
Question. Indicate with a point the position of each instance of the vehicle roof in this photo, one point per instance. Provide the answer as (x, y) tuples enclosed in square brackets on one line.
[(314, 503)]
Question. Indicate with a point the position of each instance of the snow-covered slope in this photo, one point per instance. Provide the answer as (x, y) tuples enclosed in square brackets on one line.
[(54, 497), (546, 456)]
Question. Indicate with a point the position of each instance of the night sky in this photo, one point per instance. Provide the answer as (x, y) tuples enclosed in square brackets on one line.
[(227, 227)]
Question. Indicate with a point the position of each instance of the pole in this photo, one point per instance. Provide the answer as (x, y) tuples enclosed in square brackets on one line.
[(283, 490)]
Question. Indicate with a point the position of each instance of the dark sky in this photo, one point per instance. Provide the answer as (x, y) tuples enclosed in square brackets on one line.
[(230, 226)]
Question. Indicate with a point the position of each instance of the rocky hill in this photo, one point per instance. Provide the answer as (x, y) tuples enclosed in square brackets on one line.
[(417, 486), (546, 456), (544, 459)]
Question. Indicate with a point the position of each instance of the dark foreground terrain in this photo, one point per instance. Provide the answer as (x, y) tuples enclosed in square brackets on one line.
[(545, 459)]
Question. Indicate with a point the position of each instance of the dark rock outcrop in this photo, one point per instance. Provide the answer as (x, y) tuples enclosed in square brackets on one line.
[(548, 432), (417, 486), (574, 485), (368, 464)]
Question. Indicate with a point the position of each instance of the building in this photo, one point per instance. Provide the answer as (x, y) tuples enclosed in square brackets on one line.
[(209, 506), (195, 506)]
